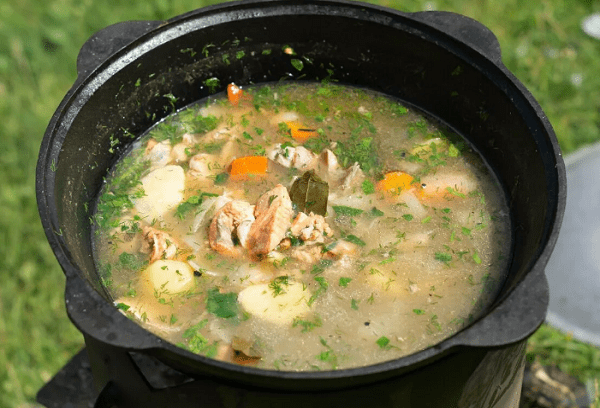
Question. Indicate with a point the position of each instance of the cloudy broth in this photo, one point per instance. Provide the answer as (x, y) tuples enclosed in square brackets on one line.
[(302, 227)]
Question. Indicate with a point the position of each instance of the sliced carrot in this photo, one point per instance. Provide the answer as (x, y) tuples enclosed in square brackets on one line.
[(243, 168), (395, 182), (235, 94), (301, 133)]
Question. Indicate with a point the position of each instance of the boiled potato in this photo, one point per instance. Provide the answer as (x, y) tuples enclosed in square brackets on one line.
[(258, 300), (149, 311), (168, 276), (164, 191)]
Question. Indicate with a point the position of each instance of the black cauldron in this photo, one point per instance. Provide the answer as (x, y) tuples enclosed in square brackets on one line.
[(133, 74)]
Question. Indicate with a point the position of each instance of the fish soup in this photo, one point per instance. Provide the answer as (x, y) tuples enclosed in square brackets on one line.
[(302, 227)]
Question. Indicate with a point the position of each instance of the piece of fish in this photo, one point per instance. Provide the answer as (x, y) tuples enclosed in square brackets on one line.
[(160, 244), (225, 226), (273, 214)]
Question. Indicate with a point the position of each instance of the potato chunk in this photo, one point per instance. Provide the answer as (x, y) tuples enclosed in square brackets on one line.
[(259, 301), (164, 191), (167, 276)]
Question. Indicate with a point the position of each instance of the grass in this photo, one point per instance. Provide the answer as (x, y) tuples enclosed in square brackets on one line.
[(542, 45)]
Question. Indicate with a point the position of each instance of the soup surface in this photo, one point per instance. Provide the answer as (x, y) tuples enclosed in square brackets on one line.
[(302, 227)]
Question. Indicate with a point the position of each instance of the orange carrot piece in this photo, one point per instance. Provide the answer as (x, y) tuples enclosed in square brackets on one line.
[(243, 167), (300, 133), (394, 182), (234, 94)]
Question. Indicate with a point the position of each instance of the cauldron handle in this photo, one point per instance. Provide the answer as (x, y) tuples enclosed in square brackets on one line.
[(465, 29), (106, 42)]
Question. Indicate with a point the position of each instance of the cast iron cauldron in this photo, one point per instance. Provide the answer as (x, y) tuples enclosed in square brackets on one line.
[(133, 74)]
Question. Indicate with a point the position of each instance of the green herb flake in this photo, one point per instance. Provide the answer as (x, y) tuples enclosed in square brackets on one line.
[(343, 282), (131, 262), (354, 239), (354, 304), (345, 210), (455, 192), (298, 64), (418, 311), (223, 305), (240, 54), (408, 217), (307, 325), (322, 288), (212, 84), (453, 151), (368, 187), (476, 258), (443, 256), (277, 284), (221, 178), (383, 342), (376, 213), (122, 306)]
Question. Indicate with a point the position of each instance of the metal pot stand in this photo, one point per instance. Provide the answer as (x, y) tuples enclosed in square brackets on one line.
[(144, 381)]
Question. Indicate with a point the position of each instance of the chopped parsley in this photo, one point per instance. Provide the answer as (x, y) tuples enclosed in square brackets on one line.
[(322, 288), (343, 282), (345, 210), (383, 342), (191, 203), (368, 187), (223, 305), (197, 343), (443, 256), (354, 239)]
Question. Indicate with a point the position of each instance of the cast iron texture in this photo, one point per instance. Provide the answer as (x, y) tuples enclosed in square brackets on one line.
[(133, 74)]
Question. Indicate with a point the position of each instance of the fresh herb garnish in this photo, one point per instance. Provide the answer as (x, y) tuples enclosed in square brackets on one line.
[(307, 325), (345, 210), (383, 342), (354, 239), (197, 343), (443, 256), (376, 213), (191, 203), (368, 187), (277, 284), (343, 282), (322, 288), (222, 304)]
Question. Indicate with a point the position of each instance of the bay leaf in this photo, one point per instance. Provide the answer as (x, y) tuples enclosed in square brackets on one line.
[(310, 193)]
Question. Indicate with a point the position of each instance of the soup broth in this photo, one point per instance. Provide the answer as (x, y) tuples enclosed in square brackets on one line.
[(302, 227)]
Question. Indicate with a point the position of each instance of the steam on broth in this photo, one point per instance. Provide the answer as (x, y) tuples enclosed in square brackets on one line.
[(302, 227)]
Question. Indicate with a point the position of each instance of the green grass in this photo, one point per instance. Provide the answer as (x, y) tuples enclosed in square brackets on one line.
[(542, 45)]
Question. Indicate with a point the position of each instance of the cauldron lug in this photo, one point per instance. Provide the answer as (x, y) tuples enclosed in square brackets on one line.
[(106, 42)]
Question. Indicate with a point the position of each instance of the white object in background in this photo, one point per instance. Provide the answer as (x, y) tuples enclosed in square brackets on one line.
[(591, 25)]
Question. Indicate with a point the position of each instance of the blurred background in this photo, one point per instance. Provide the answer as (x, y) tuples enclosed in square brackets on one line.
[(542, 44)]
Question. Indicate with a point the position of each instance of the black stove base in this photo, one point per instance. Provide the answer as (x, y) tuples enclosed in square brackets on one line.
[(71, 387), (159, 385)]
